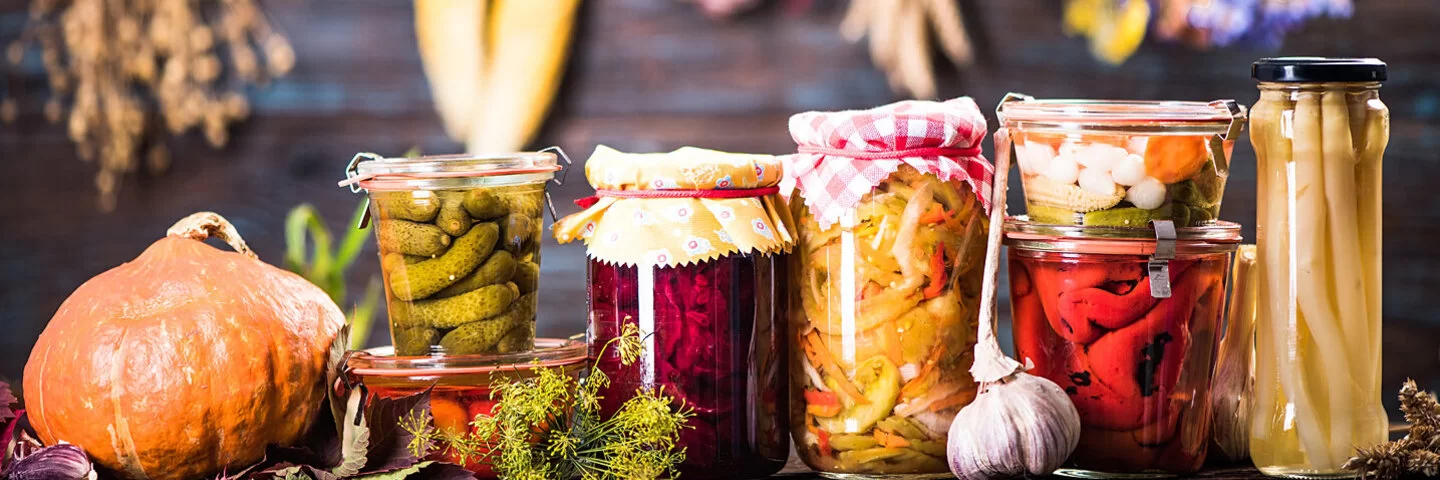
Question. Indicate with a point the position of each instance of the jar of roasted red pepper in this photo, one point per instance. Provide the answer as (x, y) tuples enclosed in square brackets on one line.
[(1125, 320), (686, 247)]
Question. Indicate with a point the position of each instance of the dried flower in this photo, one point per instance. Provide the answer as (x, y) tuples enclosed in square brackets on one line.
[(1416, 454), (110, 62)]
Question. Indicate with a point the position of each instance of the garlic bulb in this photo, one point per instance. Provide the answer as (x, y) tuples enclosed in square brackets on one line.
[(1019, 423), (1026, 425), (1235, 365), (57, 462)]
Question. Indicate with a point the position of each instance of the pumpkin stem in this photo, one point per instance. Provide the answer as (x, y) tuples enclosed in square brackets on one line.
[(203, 225)]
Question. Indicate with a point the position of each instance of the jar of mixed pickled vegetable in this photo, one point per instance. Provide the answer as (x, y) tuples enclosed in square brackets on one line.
[(1122, 163), (459, 388), (885, 284), (687, 249), (459, 242), (1125, 321)]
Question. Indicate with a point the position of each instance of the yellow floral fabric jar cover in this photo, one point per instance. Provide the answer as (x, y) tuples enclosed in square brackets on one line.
[(677, 208)]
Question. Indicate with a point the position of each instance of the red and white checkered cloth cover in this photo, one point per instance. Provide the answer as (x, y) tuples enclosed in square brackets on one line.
[(833, 184)]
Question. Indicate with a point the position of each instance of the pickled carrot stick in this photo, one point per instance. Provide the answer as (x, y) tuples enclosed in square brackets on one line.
[(913, 387), (1312, 273), (1340, 204), (830, 367), (959, 398)]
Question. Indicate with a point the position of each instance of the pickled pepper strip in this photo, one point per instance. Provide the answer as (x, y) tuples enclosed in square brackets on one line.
[(887, 439), (937, 273), (917, 385), (830, 367)]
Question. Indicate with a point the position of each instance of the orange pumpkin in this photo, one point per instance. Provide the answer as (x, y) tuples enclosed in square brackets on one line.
[(185, 361)]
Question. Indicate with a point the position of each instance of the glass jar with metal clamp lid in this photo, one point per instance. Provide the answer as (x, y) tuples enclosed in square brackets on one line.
[(459, 241)]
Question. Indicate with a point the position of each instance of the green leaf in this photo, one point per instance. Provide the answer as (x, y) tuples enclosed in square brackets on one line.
[(363, 317), (354, 240)]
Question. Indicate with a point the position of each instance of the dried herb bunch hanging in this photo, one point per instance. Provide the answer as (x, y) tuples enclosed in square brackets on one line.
[(122, 69), (1416, 455)]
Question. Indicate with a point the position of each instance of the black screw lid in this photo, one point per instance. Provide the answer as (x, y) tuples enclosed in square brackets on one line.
[(1318, 69)]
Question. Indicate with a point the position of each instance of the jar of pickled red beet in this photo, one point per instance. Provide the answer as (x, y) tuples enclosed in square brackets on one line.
[(1122, 163), (1126, 321), (459, 388), (686, 248), (885, 284)]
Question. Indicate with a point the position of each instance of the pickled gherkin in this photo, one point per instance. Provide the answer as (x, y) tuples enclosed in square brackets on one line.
[(470, 307), (458, 240), (411, 238), (453, 219), (425, 278), (403, 206), (414, 341), (499, 268)]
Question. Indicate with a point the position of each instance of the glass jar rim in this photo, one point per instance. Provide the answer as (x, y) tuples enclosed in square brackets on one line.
[(548, 353), (373, 172), (1020, 232), (1060, 113)]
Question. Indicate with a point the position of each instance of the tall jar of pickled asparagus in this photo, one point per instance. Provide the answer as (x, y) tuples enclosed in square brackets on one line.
[(1319, 132), (885, 283)]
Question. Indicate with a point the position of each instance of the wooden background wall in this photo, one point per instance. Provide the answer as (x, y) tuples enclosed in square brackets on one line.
[(651, 75)]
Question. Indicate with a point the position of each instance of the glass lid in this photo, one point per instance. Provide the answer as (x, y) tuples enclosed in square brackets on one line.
[(1020, 232), (1174, 117), (373, 172), (548, 352)]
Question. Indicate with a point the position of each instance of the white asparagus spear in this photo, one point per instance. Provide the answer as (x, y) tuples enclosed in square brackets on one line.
[(1368, 183), (1344, 229), (1311, 274), (1264, 402), (1279, 314)]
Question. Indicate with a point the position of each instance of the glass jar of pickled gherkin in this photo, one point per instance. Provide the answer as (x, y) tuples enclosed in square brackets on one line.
[(459, 243), (1320, 132), (885, 284), (685, 248), (1121, 163)]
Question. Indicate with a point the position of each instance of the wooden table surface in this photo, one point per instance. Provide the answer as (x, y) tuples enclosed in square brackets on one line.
[(796, 469)]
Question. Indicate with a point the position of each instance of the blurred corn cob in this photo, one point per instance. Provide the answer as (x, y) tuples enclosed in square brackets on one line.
[(494, 65), (898, 33)]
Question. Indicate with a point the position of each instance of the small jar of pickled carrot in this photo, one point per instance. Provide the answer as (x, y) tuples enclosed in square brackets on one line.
[(1121, 163), (459, 386), (1125, 320)]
